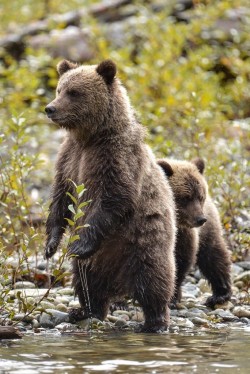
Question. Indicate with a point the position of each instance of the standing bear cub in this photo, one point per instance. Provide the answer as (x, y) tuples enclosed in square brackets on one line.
[(128, 247), (199, 237)]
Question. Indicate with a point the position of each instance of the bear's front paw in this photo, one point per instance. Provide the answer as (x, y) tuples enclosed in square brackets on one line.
[(81, 250), (217, 300), (51, 248)]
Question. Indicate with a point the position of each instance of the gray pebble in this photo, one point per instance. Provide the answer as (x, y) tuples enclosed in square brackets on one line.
[(52, 318), (243, 264), (241, 311), (24, 284), (120, 323), (245, 277), (200, 321)]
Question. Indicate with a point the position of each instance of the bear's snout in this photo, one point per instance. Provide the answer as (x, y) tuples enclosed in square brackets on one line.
[(200, 221), (50, 110)]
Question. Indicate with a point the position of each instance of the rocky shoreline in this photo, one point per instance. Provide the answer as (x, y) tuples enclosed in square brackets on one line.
[(52, 313)]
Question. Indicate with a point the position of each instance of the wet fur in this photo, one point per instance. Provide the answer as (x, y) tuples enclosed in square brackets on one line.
[(128, 248), (202, 245)]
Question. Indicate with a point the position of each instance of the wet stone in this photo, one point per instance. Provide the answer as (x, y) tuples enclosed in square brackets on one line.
[(74, 304), (138, 317), (52, 318), (62, 308), (244, 277), (204, 286), (66, 291), (24, 284), (46, 304), (200, 321), (241, 311), (190, 290), (64, 326), (120, 323), (226, 316), (22, 317), (243, 264), (35, 323), (236, 270), (225, 306)]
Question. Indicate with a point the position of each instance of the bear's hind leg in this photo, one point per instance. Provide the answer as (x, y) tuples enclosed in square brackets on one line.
[(93, 302), (213, 259), (153, 291)]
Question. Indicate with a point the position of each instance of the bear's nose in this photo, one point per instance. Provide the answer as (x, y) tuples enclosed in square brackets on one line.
[(50, 109), (200, 221)]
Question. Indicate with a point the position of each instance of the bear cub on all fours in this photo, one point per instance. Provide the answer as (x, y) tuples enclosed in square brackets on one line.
[(199, 238), (128, 247)]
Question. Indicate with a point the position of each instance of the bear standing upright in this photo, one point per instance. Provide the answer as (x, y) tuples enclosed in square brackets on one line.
[(128, 248), (199, 237)]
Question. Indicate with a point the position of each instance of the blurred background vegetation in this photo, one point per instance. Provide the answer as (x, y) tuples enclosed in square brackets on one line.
[(186, 65)]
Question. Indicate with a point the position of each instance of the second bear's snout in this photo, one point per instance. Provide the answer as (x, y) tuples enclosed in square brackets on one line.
[(200, 221), (50, 110)]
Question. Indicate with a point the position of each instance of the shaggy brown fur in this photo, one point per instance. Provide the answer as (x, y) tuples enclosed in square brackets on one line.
[(199, 235), (129, 244)]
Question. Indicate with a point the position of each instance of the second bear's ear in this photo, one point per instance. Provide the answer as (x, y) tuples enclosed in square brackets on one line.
[(107, 69), (167, 168), (200, 164), (64, 66)]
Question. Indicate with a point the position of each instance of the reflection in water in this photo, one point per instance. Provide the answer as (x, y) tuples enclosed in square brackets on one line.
[(193, 352)]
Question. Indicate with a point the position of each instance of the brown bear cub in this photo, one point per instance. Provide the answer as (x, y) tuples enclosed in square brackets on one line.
[(128, 247), (199, 237)]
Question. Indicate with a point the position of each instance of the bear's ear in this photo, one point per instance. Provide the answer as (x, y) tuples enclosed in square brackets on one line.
[(199, 163), (107, 69), (64, 66), (167, 168)]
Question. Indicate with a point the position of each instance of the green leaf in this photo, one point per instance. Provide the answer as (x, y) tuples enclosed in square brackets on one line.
[(79, 227), (70, 222), (73, 238), (71, 208), (80, 189), (84, 204), (78, 215), (72, 197)]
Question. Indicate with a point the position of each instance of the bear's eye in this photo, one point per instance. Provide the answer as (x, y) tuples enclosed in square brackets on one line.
[(73, 93), (185, 200)]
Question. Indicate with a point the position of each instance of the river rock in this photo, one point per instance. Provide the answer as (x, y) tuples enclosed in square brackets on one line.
[(190, 290), (120, 323), (137, 317), (236, 269), (200, 321), (52, 318), (183, 322), (244, 277), (23, 317), (243, 264), (24, 284), (66, 291), (62, 308), (242, 311), (226, 315), (74, 304), (66, 326), (46, 304), (225, 306), (204, 286), (193, 312)]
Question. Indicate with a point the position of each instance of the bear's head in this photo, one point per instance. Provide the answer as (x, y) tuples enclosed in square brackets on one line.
[(83, 96), (190, 189)]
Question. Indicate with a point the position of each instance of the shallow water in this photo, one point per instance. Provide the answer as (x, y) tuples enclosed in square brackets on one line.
[(224, 351)]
